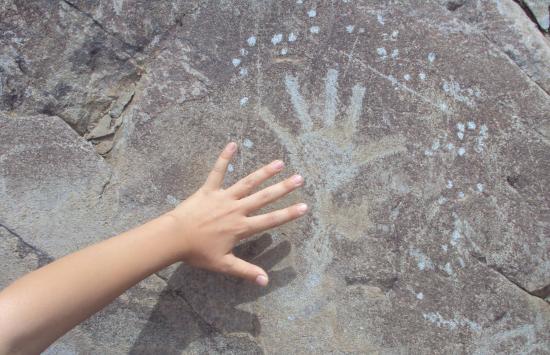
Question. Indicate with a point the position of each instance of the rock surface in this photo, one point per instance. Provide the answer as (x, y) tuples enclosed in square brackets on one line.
[(422, 131), (541, 12)]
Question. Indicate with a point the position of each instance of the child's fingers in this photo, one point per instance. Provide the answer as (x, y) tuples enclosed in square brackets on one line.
[(276, 218), (215, 178), (239, 268), (246, 185), (271, 193)]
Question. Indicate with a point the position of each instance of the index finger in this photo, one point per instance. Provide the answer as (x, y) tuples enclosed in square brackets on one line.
[(216, 176)]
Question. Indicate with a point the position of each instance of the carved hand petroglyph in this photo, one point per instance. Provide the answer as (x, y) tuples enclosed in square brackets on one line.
[(325, 152)]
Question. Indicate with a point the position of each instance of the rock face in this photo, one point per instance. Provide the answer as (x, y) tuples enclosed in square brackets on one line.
[(422, 131)]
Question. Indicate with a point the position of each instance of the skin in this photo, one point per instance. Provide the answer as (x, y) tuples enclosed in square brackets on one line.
[(43, 305)]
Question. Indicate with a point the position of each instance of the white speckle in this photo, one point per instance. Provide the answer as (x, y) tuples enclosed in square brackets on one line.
[(450, 146), (291, 318), (395, 53), (438, 320), (441, 200), (461, 262), (313, 280), (461, 151), (460, 127), (455, 237), (423, 261), (471, 125), (299, 1), (312, 13), (361, 30), (382, 52), (247, 143), (444, 247), (243, 52), (449, 184), (117, 4), (243, 101), (435, 144), (284, 51), (314, 29), (407, 77), (230, 168), (428, 153), (393, 80), (422, 76), (251, 41), (431, 57), (453, 88), (460, 194), (236, 62), (448, 269), (172, 200), (394, 34), (243, 71), (420, 295), (479, 187), (349, 28), (277, 38), (155, 41), (443, 106), (292, 37), (480, 141), (380, 19)]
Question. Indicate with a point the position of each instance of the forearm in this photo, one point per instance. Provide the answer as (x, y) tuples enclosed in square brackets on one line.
[(71, 289), (202, 231)]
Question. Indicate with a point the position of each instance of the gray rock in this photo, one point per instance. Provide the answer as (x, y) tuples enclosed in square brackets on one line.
[(422, 131), (63, 64), (52, 184), (507, 27), (541, 11)]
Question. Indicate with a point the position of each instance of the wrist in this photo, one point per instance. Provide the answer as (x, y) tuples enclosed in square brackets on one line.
[(172, 229)]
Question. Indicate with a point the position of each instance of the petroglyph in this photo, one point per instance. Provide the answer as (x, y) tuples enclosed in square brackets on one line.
[(324, 150)]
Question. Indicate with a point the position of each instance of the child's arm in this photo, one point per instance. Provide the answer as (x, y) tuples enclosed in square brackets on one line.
[(44, 304)]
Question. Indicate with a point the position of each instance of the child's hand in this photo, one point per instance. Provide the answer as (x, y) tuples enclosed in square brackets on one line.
[(213, 220)]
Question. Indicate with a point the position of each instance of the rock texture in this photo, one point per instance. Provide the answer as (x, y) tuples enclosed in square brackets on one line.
[(422, 130)]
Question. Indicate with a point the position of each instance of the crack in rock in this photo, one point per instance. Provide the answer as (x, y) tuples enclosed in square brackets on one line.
[(529, 13), (24, 248), (100, 26), (512, 60), (541, 293)]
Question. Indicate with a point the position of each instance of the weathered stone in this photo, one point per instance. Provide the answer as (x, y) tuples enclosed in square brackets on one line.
[(139, 23), (506, 26), (422, 131), (541, 11), (55, 60), (52, 183)]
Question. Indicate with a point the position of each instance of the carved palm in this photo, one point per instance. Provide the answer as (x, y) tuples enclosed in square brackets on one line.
[(325, 151)]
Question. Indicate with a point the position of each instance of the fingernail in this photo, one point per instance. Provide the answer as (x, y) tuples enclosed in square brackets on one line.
[(277, 165), (231, 147), (302, 208), (261, 280), (297, 180)]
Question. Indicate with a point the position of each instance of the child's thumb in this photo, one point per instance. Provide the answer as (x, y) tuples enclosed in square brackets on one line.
[(243, 269)]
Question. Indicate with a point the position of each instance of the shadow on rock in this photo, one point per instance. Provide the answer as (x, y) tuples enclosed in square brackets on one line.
[(202, 307)]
